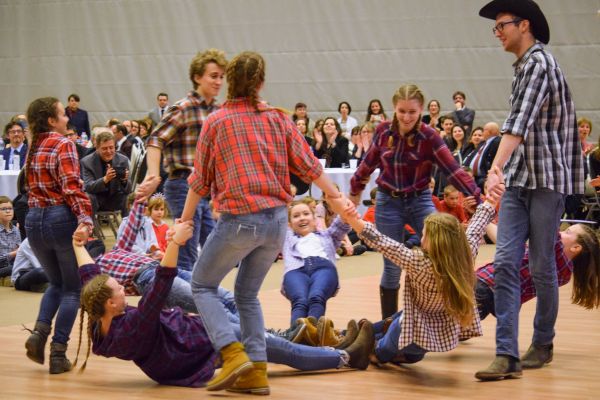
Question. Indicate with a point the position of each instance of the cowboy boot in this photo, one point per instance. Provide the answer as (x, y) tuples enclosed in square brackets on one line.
[(36, 342)]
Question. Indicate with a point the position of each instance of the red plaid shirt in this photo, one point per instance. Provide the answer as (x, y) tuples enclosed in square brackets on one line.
[(564, 269), (245, 156), (53, 177)]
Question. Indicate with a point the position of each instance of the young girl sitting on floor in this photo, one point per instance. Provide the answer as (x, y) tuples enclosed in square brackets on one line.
[(310, 277), (439, 301)]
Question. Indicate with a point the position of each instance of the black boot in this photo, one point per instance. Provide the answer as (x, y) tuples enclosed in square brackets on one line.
[(58, 359), (389, 301), (36, 343)]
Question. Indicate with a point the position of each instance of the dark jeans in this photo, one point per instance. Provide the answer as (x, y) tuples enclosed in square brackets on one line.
[(484, 296), (27, 280), (308, 288), (49, 231)]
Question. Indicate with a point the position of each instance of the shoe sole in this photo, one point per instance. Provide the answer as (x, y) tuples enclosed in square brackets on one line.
[(32, 351), (482, 376), (230, 380), (263, 391)]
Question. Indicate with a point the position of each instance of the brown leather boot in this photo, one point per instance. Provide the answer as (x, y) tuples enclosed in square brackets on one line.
[(253, 381), (351, 334), (36, 342), (325, 333), (58, 359), (309, 335), (361, 348)]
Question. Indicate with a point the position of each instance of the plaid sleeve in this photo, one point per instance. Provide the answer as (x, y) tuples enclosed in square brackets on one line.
[(68, 176), (482, 217), (529, 95), (166, 129), (370, 163), (338, 230), (154, 299), (392, 250), (203, 175), (132, 226)]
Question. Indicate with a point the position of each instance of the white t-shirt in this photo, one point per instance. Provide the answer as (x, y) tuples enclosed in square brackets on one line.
[(311, 246)]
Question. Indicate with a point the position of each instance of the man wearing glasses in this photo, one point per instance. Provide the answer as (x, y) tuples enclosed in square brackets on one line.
[(17, 146), (540, 155)]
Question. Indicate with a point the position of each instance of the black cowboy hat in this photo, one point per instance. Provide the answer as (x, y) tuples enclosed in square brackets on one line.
[(526, 9)]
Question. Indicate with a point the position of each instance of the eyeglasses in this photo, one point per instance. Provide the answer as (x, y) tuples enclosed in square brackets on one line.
[(15, 131), (6, 209), (501, 25)]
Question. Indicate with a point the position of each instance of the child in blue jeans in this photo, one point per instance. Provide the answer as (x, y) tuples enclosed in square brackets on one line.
[(310, 277)]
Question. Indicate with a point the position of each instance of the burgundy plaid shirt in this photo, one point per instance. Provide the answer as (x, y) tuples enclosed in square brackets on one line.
[(564, 269), (407, 168), (177, 132), (169, 346), (120, 262), (243, 157), (54, 178)]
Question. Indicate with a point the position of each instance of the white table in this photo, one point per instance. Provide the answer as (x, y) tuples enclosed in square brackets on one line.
[(8, 183), (341, 177)]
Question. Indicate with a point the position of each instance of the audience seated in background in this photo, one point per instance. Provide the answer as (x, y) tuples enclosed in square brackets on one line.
[(82, 151), (462, 115), (16, 145), (77, 117), (10, 238), (105, 175), (122, 145)]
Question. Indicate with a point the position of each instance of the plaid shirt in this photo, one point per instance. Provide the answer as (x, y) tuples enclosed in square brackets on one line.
[(426, 322), (564, 269), (243, 157), (543, 114), (169, 346), (121, 263), (407, 168), (177, 132), (10, 239), (53, 177)]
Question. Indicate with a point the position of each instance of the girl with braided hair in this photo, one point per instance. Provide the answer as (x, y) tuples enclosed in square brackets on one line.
[(406, 151), (57, 206), (244, 156)]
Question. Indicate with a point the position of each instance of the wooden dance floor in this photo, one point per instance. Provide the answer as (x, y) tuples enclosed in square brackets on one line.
[(574, 373)]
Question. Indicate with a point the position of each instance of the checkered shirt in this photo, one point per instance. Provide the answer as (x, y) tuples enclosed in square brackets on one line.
[(10, 239), (120, 262), (426, 322), (245, 158), (564, 270), (177, 132), (54, 177), (543, 114)]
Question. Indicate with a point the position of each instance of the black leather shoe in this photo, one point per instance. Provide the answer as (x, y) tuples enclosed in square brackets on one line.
[(536, 356), (503, 367)]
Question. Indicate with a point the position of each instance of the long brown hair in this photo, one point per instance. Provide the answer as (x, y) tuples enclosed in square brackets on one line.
[(452, 261), (245, 74), (38, 113), (586, 270), (94, 295)]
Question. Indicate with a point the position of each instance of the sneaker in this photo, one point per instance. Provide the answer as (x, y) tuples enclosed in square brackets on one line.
[(503, 367), (536, 356)]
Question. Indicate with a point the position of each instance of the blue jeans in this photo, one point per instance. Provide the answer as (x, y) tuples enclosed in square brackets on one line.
[(175, 194), (180, 294), (308, 288), (534, 215), (252, 241), (50, 232), (298, 356), (386, 348), (391, 214)]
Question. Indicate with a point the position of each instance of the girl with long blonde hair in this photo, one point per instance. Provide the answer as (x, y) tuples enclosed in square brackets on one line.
[(439, 297)]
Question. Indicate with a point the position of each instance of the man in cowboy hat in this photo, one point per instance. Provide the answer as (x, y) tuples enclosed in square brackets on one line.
[(541, 158)]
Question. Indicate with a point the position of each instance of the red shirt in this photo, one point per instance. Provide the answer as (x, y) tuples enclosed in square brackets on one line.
[(53, 177), (161, 235), (458, 211), (244, 158)]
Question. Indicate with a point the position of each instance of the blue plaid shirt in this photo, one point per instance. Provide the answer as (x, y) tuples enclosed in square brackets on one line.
[(9, 241), (543, 114)]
